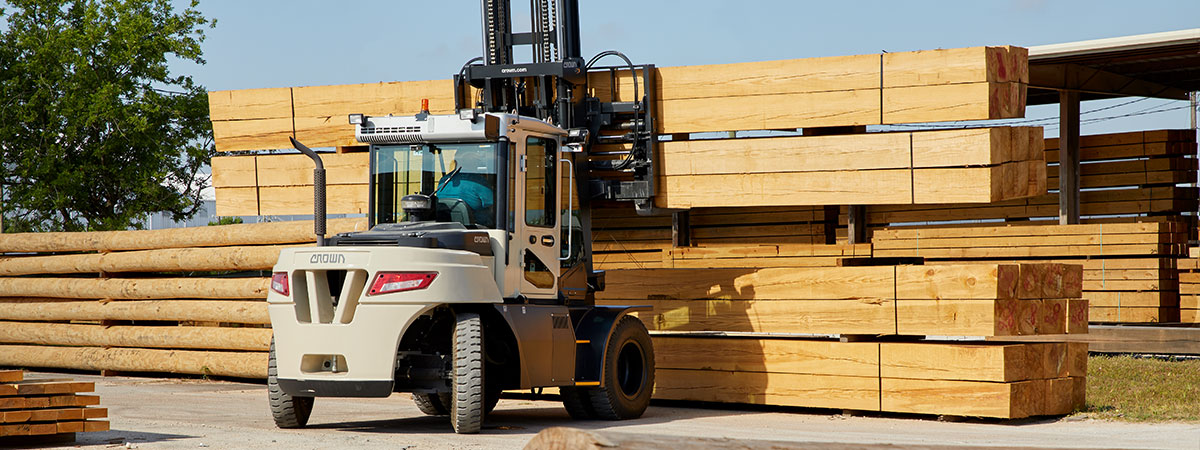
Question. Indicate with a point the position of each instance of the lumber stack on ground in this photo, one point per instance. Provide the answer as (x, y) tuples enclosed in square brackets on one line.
[(925, 377), (956, 300), (47, 408), (975, 83), (115, 300), (1129, 275)]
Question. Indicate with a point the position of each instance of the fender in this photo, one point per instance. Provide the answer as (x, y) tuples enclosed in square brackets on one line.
[(596, 327)]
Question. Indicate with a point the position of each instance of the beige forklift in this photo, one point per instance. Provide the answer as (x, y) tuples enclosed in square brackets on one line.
[(475, 276)]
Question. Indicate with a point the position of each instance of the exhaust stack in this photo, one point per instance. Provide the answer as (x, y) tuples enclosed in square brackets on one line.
[(318, 191)]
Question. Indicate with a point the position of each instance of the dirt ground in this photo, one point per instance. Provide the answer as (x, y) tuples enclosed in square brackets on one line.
[(186, 413)]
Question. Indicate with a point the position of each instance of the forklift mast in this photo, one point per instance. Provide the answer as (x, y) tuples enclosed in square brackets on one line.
[(554, 88)]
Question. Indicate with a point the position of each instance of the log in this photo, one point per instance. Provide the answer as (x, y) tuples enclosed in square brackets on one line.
[(135, 288), (214, 236), (227, 364), (204, 259), (228, 311), (172, 337)]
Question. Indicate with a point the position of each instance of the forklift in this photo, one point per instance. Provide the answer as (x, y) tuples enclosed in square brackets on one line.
[(475, 275)]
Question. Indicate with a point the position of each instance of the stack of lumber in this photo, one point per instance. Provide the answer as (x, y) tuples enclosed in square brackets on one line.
[(731, 335), (46, 407), (1129, 271), (942, 300), (970, 166), (975, 83), (1128, 177), (185, 300), (277, 185), (944, 378)]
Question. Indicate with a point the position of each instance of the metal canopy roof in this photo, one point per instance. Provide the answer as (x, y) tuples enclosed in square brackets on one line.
[(1163, 65)]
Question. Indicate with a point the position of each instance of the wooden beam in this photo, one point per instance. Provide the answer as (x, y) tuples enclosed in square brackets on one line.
[(1068, 168)]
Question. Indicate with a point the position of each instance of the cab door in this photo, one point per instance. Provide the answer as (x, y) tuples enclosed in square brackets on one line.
[(536, 239)]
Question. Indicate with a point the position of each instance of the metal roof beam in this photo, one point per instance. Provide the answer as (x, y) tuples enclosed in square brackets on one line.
[(1074, 77)]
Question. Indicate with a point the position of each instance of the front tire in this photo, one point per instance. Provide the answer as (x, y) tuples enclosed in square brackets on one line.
[(628, 373), (289, 411), (467, 393)]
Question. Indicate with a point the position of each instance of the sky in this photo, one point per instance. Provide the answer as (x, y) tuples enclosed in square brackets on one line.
[(279, 43)]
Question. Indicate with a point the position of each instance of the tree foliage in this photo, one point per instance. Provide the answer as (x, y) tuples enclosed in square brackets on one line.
[(95, 130)]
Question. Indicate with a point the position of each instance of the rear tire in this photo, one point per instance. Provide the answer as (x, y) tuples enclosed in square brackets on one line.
[(628, 373), (433, 404), (289, 411), (467, 394)]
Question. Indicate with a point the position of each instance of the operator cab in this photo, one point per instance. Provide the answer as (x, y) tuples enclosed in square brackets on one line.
[(441, 180)]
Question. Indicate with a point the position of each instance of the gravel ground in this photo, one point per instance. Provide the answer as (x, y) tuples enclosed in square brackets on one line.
[(186, 413)]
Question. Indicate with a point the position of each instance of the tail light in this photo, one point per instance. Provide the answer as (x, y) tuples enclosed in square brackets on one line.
[(279, 283), (389, 282)]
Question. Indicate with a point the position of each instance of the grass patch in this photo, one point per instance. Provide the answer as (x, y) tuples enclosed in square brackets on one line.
[(1143, 389)]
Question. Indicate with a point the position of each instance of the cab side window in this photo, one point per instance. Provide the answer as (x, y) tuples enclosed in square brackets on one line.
[(540, 173)]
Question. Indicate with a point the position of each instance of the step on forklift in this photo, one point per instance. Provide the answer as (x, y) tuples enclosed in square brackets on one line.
[(475, 275)]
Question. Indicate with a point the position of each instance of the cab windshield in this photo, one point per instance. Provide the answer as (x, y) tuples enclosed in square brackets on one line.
[(461, 176)]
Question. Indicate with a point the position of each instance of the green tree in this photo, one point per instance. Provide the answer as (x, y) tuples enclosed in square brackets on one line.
[(95, 130)]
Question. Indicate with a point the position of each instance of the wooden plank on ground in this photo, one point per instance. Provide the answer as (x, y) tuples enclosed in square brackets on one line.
[(963, 398), (743, 354), (784, 389)]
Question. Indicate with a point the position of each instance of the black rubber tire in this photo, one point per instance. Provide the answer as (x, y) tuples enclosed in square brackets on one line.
[(289, 411), (467, 393), (628, 373), (577, 402), (433, 404)]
